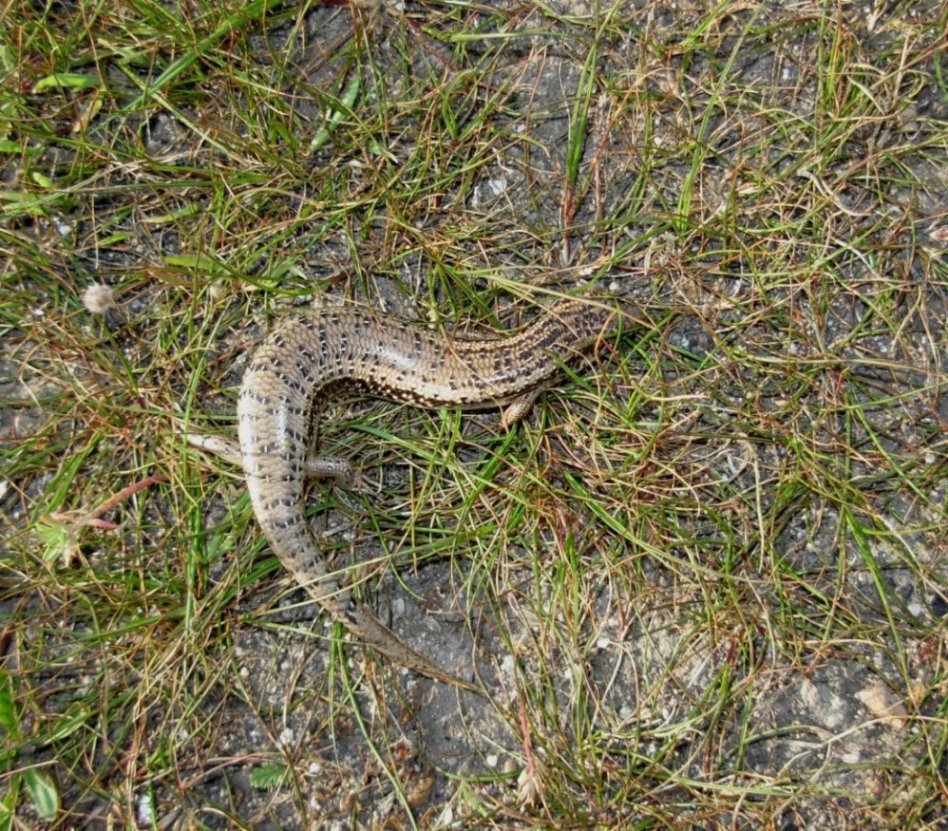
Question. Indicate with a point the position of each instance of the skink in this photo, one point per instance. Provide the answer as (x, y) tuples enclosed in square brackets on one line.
[(307, 358)]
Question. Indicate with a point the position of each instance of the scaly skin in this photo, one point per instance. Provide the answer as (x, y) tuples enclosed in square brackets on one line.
[(308, 357)]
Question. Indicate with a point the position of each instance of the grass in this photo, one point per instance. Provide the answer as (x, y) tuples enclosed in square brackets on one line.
[(703, 583)]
